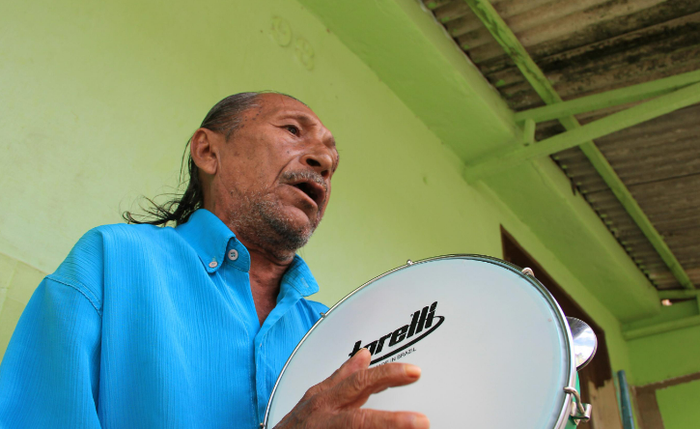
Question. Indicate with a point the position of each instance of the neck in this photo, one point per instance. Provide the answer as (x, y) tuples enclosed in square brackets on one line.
[(266, 273), (266, 268)]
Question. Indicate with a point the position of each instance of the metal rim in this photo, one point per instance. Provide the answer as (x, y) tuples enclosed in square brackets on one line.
[(565, 407)]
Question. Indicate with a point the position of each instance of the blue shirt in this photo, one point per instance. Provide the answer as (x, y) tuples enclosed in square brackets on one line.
[(147, 327)]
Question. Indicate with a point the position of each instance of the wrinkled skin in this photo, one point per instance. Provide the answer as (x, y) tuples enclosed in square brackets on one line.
[(336, 402)]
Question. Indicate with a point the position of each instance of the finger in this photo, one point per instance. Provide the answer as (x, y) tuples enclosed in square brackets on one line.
[(366, 419), (359, 361), (355, 389)]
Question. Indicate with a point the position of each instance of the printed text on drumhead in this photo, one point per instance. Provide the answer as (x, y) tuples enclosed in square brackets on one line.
[(423, 322)]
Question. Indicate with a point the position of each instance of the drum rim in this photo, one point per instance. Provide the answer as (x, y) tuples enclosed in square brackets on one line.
[(566, 406)]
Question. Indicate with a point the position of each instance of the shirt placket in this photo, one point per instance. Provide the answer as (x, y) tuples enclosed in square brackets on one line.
[(267, 344), (236, 279)]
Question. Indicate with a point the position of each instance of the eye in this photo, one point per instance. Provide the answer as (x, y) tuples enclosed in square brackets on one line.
[(292, 129)]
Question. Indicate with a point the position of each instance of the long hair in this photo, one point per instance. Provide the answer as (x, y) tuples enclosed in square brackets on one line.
[(224, 117)]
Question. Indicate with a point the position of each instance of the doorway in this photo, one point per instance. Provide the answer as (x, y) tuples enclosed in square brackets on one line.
[(596, 379)]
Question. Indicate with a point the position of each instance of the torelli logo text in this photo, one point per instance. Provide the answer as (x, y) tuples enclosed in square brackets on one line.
[(423, 322)]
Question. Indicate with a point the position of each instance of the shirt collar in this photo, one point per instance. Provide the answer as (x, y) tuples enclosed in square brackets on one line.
[(298, 277), (209, 237)]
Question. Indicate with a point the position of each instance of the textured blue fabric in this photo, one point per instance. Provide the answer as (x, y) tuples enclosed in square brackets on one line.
[(147, 327)]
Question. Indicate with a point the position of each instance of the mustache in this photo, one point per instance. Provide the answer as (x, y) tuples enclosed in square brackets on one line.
[(300, 175)]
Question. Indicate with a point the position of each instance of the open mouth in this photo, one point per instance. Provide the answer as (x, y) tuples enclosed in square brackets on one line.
[(312, 190)]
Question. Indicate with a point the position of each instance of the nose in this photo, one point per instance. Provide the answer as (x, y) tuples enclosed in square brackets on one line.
[(320, 160)]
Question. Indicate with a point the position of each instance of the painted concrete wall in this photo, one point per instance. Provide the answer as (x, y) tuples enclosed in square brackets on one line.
[(669, 355), (99, 100), (17, 282), (679, 405)]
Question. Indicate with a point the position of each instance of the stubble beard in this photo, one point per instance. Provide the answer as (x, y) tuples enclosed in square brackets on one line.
[(262, 221)]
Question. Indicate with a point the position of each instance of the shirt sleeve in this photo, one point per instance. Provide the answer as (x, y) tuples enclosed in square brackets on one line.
[(49, 375)]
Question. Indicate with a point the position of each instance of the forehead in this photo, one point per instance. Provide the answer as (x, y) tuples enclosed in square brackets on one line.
[(278, 105)]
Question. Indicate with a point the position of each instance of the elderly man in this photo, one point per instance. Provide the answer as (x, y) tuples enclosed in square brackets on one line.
[(189, 327)]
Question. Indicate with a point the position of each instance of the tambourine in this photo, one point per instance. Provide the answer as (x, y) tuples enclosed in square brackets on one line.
[(495, 349)]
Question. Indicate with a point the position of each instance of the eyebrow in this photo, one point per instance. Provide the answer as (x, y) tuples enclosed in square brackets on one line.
[(303, 118)]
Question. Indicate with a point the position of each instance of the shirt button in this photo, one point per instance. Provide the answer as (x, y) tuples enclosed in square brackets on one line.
[(233, 254), (213, 264)]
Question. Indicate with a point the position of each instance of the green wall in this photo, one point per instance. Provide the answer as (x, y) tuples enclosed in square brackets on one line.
[(17, 282), (679, 405), (100, 98), (664, 356)]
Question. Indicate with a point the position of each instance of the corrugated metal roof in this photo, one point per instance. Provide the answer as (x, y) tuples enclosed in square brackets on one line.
[(586, 47)]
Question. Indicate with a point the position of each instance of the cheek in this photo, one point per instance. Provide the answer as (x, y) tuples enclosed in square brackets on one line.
[(264, 172)]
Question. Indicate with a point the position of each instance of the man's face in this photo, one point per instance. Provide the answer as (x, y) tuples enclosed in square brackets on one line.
[(276, 173)]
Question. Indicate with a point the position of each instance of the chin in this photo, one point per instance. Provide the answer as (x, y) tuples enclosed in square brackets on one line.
[(303, 218), (278, 227), (290, 233)]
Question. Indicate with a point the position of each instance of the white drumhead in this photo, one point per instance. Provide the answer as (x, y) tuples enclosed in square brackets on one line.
[(492, 345)]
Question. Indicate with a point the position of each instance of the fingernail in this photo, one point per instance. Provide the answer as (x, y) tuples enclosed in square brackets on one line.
[(360, 354), (420, 422), (362, 350), (412, 370)]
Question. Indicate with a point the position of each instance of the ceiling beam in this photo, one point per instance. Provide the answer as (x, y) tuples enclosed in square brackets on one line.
[(660, 328), (678, 294), (629, 94), (534, 75), (669, 325), (513, 155)]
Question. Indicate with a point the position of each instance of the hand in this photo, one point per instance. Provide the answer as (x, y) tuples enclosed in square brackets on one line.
[(336, 401)]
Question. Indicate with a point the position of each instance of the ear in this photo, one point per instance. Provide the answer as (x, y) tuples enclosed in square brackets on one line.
[(204, 148)]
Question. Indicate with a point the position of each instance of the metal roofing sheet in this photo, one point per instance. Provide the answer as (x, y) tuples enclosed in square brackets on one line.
[(586, 47)]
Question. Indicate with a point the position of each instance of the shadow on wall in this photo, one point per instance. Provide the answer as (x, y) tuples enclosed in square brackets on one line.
[(17, 283)]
